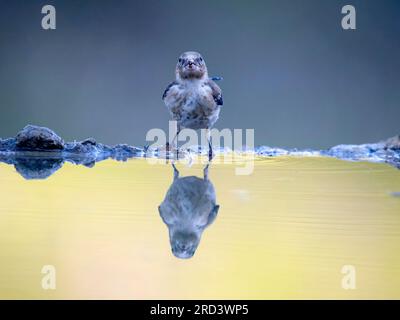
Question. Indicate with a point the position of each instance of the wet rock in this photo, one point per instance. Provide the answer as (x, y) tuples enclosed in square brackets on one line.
[(348, 152), (7, 144), (34, 138), (80, 148), (89, 141), (37, 152), (88, 147), (271, 152), (393, 143), (122, 152)]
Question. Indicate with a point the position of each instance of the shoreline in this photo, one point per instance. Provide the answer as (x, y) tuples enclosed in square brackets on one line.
[(41, 142)]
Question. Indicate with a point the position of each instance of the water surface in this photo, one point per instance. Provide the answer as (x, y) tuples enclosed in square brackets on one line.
[(283, 232)]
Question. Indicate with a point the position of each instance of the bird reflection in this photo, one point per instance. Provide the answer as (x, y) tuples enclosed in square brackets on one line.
[(188, 208)]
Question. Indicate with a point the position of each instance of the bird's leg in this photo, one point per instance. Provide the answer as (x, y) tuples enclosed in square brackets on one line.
[(145, 149), (210, 150), (173, 141), (177, 141)]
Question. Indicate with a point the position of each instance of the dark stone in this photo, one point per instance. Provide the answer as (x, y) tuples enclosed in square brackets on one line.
[(80, 148), (393, 143), (89, 141), (122, 152), (7, 144), (34, 138)]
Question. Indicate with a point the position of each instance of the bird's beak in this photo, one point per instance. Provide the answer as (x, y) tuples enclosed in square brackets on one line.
[(190, 64)]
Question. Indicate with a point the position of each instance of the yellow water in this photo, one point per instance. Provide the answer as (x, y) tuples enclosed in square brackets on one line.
[(285, 231)]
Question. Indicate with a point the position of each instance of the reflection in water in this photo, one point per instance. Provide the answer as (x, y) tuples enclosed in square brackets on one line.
[(322, 214), (40, 166), (37, 168), (188, 208)]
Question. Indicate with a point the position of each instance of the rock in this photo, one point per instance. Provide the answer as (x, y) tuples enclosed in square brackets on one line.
[(7, 144), (34, 138), (122, 152), (89, 141), (80, 148), (393, 143)]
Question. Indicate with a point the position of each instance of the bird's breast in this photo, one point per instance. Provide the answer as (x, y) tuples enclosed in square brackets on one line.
[(194, 107), (199, 97)]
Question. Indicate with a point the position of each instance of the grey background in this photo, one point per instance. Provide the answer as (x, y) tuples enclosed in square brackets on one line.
[(290, 71)]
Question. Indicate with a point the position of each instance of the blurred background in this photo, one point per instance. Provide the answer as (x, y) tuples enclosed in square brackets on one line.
[(290, 71)]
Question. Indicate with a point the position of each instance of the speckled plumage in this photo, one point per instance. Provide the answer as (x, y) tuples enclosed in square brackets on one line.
[(193, 99)]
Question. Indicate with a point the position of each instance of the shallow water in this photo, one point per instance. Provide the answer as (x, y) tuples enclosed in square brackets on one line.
[(283, 232)]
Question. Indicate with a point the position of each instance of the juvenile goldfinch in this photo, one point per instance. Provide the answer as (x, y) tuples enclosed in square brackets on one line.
[(194, 100)]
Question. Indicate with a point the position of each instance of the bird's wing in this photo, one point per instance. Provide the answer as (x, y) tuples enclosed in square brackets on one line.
[(216, 92), (168, 89)]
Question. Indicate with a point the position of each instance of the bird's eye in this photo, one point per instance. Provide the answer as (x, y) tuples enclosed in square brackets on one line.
[(180, 60), (201, 59)]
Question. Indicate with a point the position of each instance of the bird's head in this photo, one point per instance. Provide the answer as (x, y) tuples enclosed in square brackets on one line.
[(184, 242), (190, 66)]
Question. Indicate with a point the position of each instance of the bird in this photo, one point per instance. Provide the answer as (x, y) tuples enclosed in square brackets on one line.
[(193, 100)]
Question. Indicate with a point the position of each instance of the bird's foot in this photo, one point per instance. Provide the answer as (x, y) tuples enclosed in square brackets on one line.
[(171, 151)]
